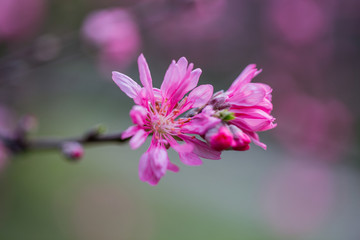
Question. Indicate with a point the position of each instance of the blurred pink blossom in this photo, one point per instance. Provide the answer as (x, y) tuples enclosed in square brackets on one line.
[(298, 22), (116, 35), (312, 127), (298, 197), (193, 27), (20, 18)]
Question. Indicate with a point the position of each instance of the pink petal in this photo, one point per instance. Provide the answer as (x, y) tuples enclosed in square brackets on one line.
[(159, 161), (249, 95), (186, 83), (200, 95), (200, 123), (185, 152), (255, 138), (193, 80), (245, 77), (153, 164), (253, 125), (183, 65), (138, 139), (138, 115), (181, 147), (129, 132), (255, 113), (171, 81), (145, 76), (146, 173), (201, 148), (190, 159), (172, 167), (126, 84)]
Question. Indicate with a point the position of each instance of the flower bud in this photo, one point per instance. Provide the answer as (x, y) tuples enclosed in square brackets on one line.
[(218, 101), (241, 141), (219, 138), (73, 150)]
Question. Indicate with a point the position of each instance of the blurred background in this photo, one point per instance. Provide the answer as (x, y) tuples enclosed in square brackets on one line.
[(56, 58)]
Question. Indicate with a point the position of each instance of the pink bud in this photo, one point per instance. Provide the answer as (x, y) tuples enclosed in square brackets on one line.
[(219, 138), (73, 150), (241, 141)]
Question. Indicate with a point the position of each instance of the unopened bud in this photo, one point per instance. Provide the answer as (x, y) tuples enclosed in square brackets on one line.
[(241, 140), (218, 101), (219, 138), (73, 150)]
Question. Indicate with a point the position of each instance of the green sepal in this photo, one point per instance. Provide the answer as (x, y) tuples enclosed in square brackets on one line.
[(226, 115)]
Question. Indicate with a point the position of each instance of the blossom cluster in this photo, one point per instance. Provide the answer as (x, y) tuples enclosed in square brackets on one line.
[(192, 120)]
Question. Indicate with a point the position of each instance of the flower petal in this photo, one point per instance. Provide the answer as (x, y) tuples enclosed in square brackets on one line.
[(200, 95), (159, 161), (146, 173), (126, 84), (201, 122), (172, 167), (249, 95), (138, 139), (138, 114), (255, 138), (129, 132), (201, 148), (245, 77), (193, 80), (145, 76), (171, 81), (190, 159), (154, 163)]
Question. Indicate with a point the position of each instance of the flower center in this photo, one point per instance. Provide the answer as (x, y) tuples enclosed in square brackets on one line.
[(162, 124)]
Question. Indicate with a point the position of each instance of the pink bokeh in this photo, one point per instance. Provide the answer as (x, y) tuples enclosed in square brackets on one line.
[(192, 28), (115, 34), (312, 127), (298, 22), (20, 19)]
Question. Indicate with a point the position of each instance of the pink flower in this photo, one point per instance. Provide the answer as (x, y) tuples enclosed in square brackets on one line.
[(251, 104), (157, 112), (242, 111), (115, 33)]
